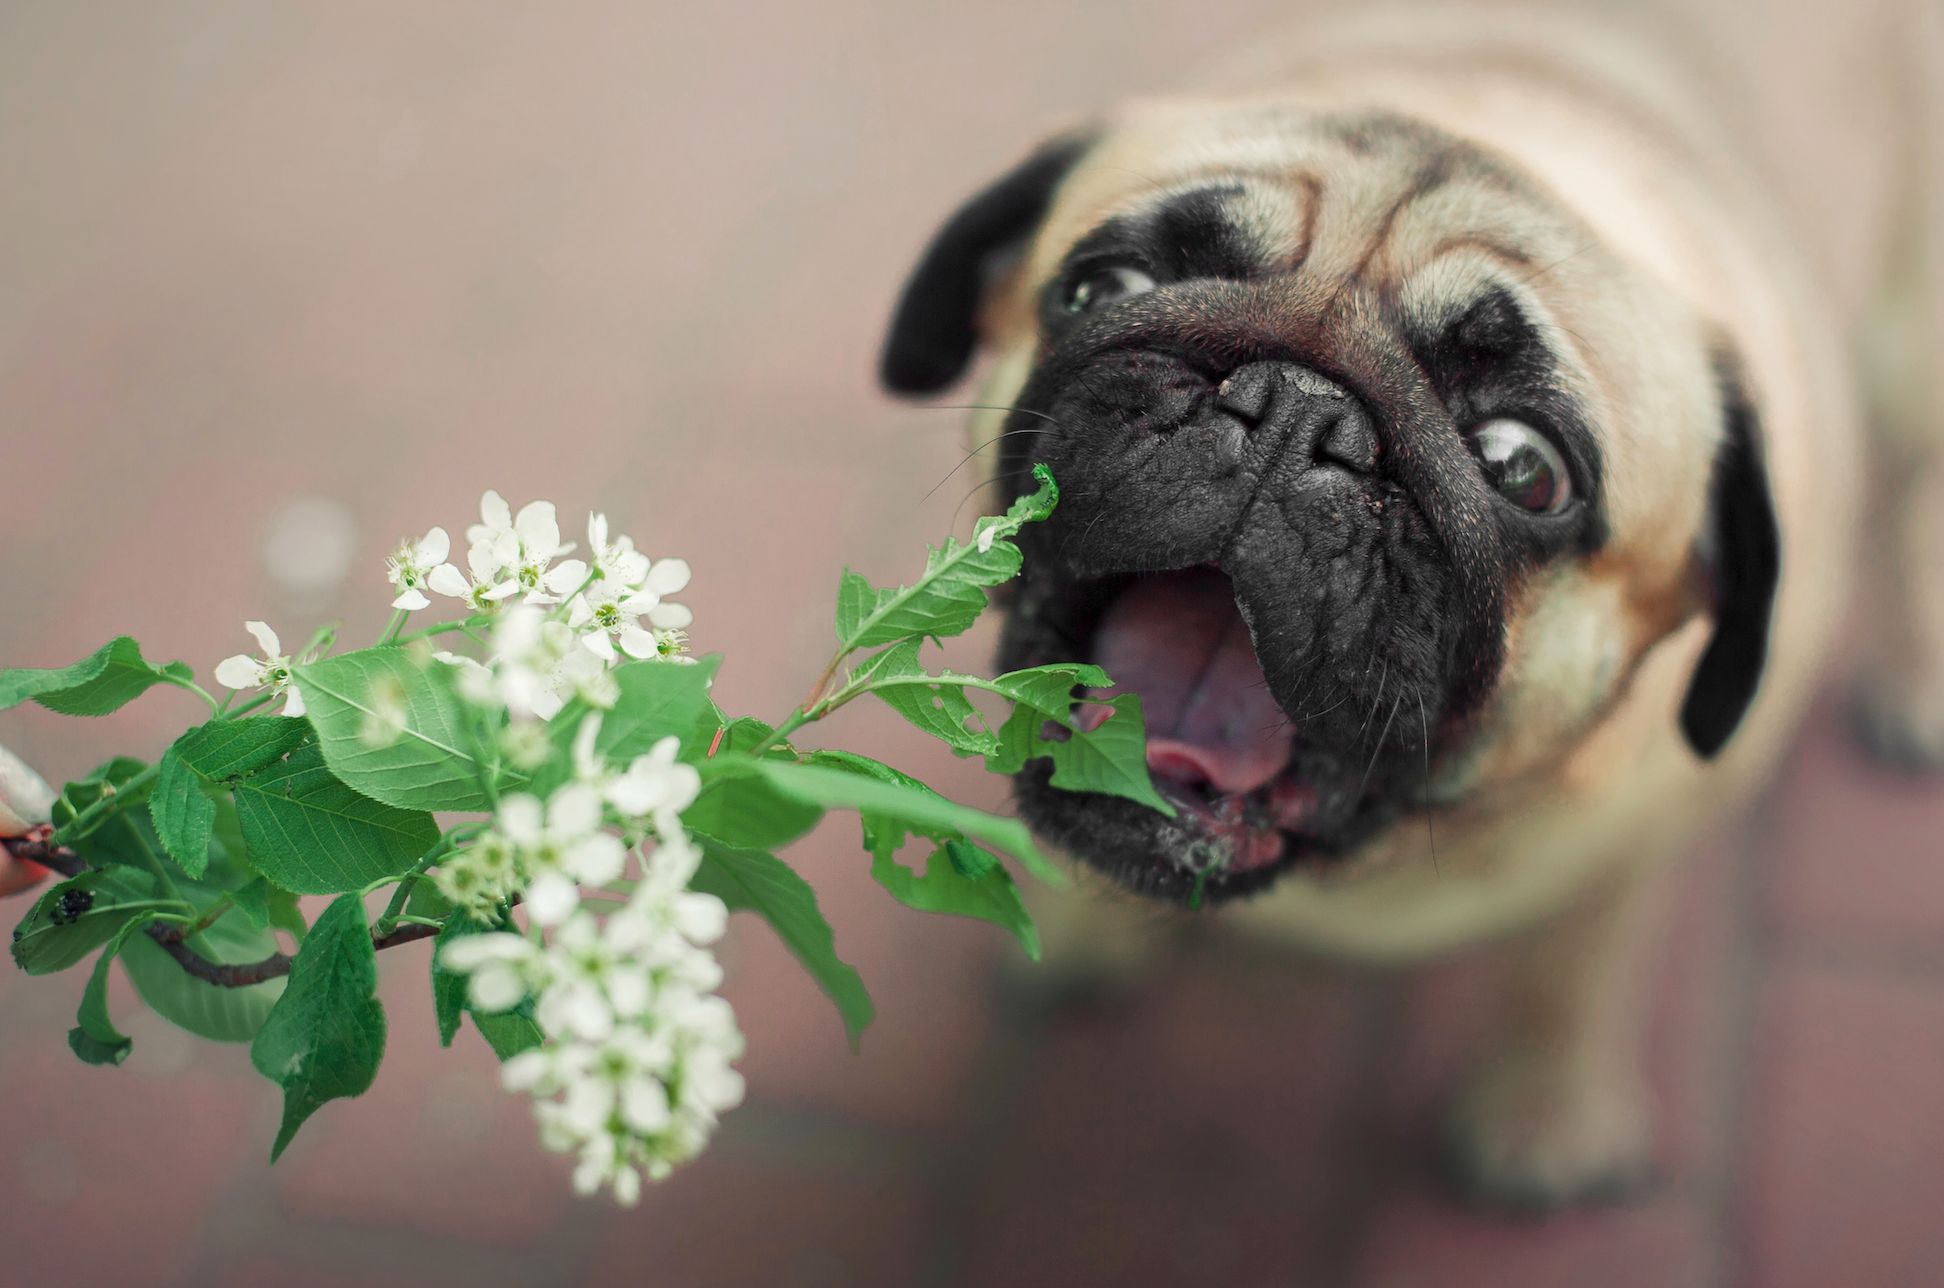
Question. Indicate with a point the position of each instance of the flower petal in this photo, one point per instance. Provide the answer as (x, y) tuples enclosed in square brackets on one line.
[(266, 637), (668, 576), (600, 645), (574, 810), (639, 643), (539, 530), (493, 508), (596, 533), (551, 898), (597, 860), (505, 590), (640, 602), (294, 703), (521, 817), (449, 581), (239, 672), (671, 616), (434, 547), (411, 601), (565, 577)]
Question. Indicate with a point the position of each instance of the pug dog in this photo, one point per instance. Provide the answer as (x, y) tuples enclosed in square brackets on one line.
[(1461, 459)]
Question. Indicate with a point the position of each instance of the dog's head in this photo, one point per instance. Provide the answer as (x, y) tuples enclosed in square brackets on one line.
[(1380, 475)]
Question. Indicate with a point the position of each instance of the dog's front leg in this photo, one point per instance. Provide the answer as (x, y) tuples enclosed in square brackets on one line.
[(1559, 1111)]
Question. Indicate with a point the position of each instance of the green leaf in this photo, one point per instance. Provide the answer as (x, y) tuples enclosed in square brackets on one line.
[(326, 1035), (656, 700), (207, 1010), (948, 886), (959, 878), (509, 1033), (941, 710), (264, 905), (950, 595), (310, 833), (227, 749), (183, 815), (743, 734), (106, 680), (78, 916), (425, 759), (740, 807), (837, 788), (1111, 759), (95, 1038), (117, 777), (750, 880)]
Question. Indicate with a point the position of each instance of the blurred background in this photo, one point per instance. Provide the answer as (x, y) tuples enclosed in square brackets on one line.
[(282, 283)]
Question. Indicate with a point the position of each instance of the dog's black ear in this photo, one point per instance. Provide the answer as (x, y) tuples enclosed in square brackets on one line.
[(935, 327), (1743, 553)]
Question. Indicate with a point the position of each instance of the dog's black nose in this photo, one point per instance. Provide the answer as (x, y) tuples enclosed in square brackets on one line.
[(1327, 424)]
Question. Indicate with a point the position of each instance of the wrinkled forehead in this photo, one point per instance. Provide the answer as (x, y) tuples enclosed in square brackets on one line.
[(1368, 195)]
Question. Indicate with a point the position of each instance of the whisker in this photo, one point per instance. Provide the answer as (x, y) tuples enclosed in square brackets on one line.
[(1024, 411), (1430, 827), (973, 453), (1376, 702), (1362, 782)]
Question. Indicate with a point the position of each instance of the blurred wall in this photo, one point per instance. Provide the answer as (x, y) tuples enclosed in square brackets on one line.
[(282, 283)]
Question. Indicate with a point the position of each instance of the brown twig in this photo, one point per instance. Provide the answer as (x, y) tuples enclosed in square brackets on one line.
[(35, 848), (272, 967)]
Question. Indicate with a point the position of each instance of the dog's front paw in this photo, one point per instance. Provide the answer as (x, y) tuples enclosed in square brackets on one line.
[(1528, 1133), (1900, 722)]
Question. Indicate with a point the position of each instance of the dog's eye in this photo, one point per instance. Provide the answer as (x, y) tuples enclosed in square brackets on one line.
[(1107, 286), (1523, 465)]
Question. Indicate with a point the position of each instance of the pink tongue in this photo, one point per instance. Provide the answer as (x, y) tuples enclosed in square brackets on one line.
[(1179, 642)]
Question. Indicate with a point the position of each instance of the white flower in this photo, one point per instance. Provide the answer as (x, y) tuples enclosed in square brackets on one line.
[(502, 968), (480, 877), (610, 608), (656, 782), (411, 565), (273, 669), (666, 578), (487, 587), (617, 562), (537, 667), (561, 847)]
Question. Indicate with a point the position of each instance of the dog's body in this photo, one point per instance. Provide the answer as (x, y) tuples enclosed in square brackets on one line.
[(1460, 352)]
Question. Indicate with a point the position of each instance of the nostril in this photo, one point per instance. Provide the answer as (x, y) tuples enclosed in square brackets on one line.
[(1350, 442), (1247, 392)]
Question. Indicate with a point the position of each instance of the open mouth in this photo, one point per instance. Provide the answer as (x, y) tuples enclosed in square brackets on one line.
[(1219, 748), (1254, 795)]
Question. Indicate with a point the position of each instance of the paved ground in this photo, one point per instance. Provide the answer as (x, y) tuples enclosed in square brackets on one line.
[(637, 261)]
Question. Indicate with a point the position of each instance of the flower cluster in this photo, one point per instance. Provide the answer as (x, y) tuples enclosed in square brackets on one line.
[(636, 1066), (571, 623), (636, 1059)]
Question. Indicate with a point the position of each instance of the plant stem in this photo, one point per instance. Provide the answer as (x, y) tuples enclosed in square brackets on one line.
[(199, 691), (391, 632), (208, 918), (261, 700), (108, 806), (394, 911), (443, 628)]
